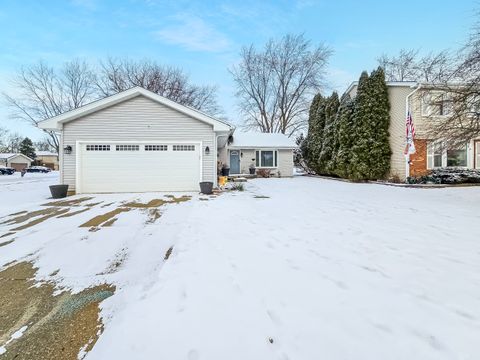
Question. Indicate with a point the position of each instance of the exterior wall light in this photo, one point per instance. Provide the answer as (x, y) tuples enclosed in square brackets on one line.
[(207, 151), (67, 149)]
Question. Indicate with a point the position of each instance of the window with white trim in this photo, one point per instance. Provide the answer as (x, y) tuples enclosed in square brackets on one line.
[(156, 147), (127, 147), (439, 154), (266, 158), (183, 147), (96, 147)]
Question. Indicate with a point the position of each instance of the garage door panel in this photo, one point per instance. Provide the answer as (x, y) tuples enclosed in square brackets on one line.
[(131, 170)]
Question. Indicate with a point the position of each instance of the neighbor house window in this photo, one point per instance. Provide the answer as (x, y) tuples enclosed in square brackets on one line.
[(266, 158), (439, 154)]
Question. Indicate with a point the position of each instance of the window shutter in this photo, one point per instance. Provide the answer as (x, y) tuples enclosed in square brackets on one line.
[(430, 152), (276, 159), (257, 158)]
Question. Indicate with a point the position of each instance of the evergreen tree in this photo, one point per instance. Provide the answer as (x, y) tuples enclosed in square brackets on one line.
[(371, 151), (325, 160), (315, 135), (345, 137), (306, 145), (26, 148)]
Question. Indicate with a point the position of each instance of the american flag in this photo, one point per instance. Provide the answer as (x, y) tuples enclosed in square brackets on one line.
[(410, 135)]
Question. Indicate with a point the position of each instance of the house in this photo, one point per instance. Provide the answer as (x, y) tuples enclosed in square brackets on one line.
[(47, 158), (15, 160), (417, 98), (138, 141), (270, 151)]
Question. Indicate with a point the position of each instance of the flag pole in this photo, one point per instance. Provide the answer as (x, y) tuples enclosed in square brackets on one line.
[(407, 109)]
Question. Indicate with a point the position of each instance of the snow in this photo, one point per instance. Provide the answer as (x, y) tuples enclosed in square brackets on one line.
[(16, 335), (45, 153), (261, 140), (322, 268)]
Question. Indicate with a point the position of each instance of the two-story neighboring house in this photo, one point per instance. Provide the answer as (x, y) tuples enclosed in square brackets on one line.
[(424, 102)]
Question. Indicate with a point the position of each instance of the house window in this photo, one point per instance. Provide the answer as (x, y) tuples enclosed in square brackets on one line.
[(266, 158), (439, 154), (156, 147), (127, 147), (436, 104), (98, 147), (183, 147), (457, 156)]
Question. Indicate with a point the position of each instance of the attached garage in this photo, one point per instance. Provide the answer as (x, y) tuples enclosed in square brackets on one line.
[(138, 166), (137, 141)]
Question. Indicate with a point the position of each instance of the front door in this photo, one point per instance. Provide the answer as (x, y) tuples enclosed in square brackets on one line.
[(477, 154), (234, 162)]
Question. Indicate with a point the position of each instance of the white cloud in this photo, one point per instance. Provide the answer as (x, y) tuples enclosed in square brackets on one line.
[(339, 79), (193, 33)]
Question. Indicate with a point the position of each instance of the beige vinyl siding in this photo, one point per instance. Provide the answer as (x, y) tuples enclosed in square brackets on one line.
[(18, 160), (137, 119), (246, 160), (285, 163)]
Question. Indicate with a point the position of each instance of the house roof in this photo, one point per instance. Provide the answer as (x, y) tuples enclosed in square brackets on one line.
[(45, 153), (55, 123), (246, 140), (7, 156), (389, 83)]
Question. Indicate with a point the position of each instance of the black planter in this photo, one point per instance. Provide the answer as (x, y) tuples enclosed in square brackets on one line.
[(206, 187), (58, 191), (252, 171), (225, 171)]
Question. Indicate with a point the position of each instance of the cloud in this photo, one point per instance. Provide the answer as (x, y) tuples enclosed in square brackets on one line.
[(339, 79), (193, 33)]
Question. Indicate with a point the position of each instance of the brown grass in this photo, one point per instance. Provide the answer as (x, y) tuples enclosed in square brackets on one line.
[(153, 215), (109, 222), (100, 219), (168, 253), (73, 202), (73, 213), (7, 234), (58, 326), (158, 202), (39, 220), (7, 242), (29, 215)]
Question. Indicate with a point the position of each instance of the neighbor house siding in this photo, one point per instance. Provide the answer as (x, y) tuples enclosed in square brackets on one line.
[(285, 163), (137, 119), (246, 160)]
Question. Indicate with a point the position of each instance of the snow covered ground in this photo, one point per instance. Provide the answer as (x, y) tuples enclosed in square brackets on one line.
[(300, 268)]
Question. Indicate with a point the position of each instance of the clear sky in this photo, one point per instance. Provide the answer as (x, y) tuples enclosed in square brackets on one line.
[(204, 37)]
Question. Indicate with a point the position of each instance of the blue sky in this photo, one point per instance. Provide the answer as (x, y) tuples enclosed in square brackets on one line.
[(204, 37)]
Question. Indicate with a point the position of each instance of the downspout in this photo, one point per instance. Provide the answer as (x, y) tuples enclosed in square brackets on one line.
[(407, 156)]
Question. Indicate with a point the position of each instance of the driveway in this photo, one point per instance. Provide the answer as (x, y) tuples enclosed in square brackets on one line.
[(296, 268)]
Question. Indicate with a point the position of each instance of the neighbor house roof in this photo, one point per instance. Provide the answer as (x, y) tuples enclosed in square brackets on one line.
[(55, 123), (389, 83), (45, 153), (7, 156), (246, 140)]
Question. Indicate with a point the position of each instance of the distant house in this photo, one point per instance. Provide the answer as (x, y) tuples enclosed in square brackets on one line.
[(47, 158), (138, 141), (417, 98), (15, 160)]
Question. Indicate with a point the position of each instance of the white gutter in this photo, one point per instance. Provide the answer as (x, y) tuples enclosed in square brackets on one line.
[(407, 156)]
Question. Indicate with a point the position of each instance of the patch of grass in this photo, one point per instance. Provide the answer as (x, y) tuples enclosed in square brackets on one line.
[(100, 219), (58, 326), (39, 220), (153, 215), (261, 197), (158, 202), (109, 222), (29, 215), (7, 234), (73, 213), (237, 187), (168, 253), (6, 242), (73, 202), (203, 199)]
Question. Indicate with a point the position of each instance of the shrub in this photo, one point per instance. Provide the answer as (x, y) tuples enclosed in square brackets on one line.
[(448, 176), (265, 173)]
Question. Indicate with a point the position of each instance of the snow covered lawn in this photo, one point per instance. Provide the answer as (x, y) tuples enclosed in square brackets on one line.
[(300, 268)]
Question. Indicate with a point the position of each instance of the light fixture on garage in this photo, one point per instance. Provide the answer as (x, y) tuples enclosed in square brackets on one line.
[(67, 149), (207, 150)]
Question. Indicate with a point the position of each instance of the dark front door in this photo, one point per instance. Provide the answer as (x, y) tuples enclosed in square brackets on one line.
[(234, 162)]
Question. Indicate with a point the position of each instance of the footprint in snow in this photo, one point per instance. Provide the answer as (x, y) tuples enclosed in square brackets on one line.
[(193, 355)]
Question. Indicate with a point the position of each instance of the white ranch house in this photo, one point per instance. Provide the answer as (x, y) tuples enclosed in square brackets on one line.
[(138, 141)]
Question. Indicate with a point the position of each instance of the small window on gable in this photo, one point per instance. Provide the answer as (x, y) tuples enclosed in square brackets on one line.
[(156, 147), (95, 147), (183, 147), (127, 147)]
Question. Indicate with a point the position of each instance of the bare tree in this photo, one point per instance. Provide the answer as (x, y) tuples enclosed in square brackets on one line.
[(117, 75), (43, 145), (275, 85), (9, 142), (44, 93), (409, 66)]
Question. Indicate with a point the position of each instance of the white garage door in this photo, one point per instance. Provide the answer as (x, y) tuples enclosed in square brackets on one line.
[(138, 167)]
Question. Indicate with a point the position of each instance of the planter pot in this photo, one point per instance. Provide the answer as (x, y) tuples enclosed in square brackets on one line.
[(225, 171), (58, 191), (252, 171), (206, 187)]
